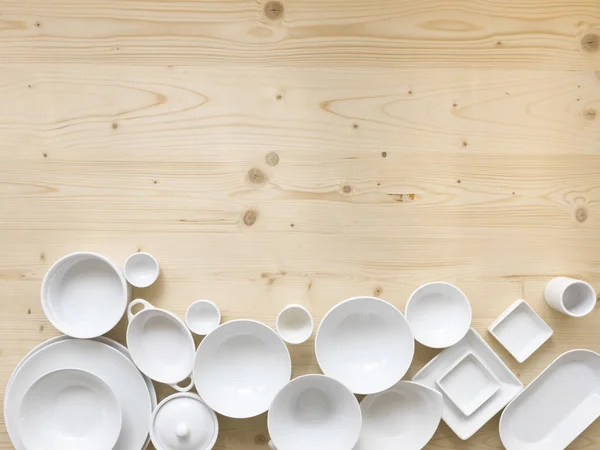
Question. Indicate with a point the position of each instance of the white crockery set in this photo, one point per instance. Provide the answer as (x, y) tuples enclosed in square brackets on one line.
[(85, 391)]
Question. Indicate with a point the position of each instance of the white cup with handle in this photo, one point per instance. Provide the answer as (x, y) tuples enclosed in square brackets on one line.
[(570, 296), (314, 411)]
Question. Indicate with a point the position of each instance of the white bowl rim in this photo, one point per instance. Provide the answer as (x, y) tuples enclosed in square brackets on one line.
[(46, 307), (204, 302), (368, 297), (154, 278), (443, 283)]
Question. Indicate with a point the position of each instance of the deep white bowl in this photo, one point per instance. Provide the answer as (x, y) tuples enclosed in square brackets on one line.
[(439, 314), (314, 412), (365, 343), (84, 295), (69, 409), (240, 367)]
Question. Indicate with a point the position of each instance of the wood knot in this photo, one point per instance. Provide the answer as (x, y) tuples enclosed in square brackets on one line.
[(272, 159), (377, 292), (260, 439), (590, 42), (581, 214), (347, 189), (256, 176), (274, 10), (38, 24), (590, 114), (384, 154), (115, 126), (250, 217)]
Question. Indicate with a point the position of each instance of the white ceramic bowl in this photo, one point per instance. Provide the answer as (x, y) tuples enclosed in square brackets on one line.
[(314, 412), (405, 416), (294, 324), (365, 343), (239, 368), (69, 409), (84, 295), (141, 269), (202, 317), (439, 314)]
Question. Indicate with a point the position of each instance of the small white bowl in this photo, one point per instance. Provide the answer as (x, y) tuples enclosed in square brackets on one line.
[(69, 409), (439, 314), (202, 317), (84, 295), (314, 411), (294, 324), (141, 269), (365, 343)]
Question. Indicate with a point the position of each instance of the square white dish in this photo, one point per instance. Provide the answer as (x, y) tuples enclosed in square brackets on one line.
[(468, 384), (520, 330), (510, 386)]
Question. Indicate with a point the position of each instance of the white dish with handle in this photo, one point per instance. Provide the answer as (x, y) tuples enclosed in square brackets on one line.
[(105, 362), (69, 409)]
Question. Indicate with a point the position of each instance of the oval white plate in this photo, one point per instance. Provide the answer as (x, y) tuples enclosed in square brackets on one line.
[(110, 365), (69, 409), (240, 367), (365, 343), (405, 417)]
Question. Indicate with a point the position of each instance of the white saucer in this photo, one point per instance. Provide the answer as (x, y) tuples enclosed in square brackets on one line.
[(114, 368), (69, 409)]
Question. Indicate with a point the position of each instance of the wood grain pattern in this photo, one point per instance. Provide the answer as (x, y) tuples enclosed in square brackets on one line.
[(304, 153)]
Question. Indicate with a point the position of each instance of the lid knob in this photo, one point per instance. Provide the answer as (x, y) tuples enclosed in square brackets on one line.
[(182, 430)]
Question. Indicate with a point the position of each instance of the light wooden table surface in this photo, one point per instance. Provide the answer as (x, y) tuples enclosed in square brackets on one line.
[(304, 151)]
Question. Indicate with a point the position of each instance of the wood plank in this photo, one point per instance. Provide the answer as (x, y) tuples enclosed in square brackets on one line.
[(551, 34)]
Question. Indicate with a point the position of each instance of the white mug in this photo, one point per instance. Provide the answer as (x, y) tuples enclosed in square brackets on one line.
[(160, 345), (294, 324), (314, 411), (569, 296)]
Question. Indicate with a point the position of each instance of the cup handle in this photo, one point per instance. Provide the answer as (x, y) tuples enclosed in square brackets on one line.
[(272, 446), (184, 388), (137, 301)]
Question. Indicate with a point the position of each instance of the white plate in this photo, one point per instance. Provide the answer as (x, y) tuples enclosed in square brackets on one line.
[(557, 406), (465, 427), (240, 367), (109, 364), (364, 343), (69, 409), (469, 384), (405, 417), (520, 330)]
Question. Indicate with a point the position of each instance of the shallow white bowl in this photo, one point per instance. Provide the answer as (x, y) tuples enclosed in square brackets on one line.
[(202, 317), (405, 416), (439, 314), (294, 324), (84, 295), (69, 409), (141, 269), (365, 343), (240, 367), (314, 412)]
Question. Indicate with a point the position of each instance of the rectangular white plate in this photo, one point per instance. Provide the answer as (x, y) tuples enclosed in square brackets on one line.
[(466, 426), (520, 330), (557, 406), (469, 384)]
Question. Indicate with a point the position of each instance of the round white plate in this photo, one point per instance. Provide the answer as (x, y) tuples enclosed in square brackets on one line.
[(110, 365), (365, 343), (69, 409), (405, 417), (240, 367)]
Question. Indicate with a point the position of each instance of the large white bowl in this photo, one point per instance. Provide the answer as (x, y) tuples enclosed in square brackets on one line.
[(439, 314), (365, 343), (69, 409), (240, 367), (405, 417), (84, 295), (314, 412)]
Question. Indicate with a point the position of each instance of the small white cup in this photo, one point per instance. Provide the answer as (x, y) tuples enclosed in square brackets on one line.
[(202, 317), (141, 269), (569, 296), (294, 324)]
